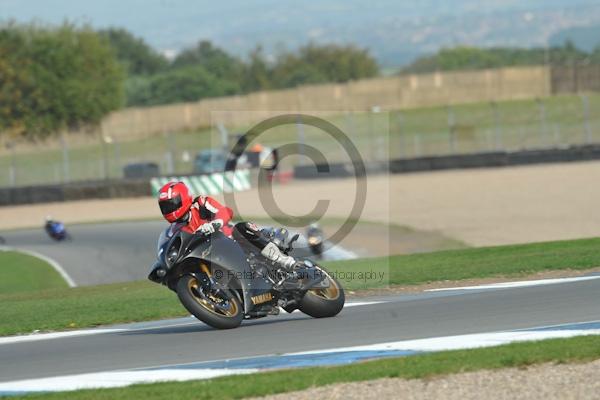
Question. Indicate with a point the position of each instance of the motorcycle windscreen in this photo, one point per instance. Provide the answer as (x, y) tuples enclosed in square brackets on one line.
[(166, 235)]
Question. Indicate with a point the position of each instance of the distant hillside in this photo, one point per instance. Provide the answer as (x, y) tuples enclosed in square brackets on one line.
[(395, 31), (585, 37)]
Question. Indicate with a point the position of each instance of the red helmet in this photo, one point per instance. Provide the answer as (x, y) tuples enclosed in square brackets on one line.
[(174, 200)]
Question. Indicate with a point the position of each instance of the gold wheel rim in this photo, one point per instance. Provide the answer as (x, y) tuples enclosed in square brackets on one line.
[(329, 293), (208, 306)]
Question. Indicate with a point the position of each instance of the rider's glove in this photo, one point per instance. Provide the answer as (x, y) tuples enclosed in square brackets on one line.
[(206, 229)]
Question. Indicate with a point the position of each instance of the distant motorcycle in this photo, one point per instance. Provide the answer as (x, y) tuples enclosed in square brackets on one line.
[(221, 283), (56, 230), (314, 237)]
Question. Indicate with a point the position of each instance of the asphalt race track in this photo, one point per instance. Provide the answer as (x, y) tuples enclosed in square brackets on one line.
[(108, 252), (100, 253), (400, 317)]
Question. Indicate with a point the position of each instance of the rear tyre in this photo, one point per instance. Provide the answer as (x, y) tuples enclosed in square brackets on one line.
[(224, 312), (324, 302)]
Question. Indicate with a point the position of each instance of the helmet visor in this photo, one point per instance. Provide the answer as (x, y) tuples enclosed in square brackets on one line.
[(170, 205)]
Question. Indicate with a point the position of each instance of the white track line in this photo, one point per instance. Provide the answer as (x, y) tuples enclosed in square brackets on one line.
[(114, 379), (461, 342), (34, 337), (509, 285), (172, 373), (57, 267)]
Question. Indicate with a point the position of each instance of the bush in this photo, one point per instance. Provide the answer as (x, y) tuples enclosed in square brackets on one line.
[(464, 58), (55, 79), (137, 57), (179, 85)]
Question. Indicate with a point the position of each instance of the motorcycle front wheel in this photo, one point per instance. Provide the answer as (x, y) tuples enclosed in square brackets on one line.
[(324, 302), (222, 312)]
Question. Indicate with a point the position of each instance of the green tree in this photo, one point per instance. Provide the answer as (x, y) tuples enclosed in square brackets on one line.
[(465, 58), (180, 85), (135, 54), (55, 78), (256, 73), (18, 91), (339, 63), (213, 59), (567, 54), (311, 64)]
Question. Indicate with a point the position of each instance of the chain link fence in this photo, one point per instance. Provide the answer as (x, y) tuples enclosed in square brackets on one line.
[(550, 122)]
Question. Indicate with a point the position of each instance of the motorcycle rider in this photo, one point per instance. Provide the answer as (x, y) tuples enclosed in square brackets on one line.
[(206, 215), (52, 227)]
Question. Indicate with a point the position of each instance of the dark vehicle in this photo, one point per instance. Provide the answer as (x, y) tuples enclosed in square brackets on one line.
[(56, 230), (210, 161), (141, 170), (314, 237), (221, 283), (2, 240)]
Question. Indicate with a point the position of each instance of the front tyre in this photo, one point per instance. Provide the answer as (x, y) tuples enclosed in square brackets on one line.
[(222, 312), (324, 302)]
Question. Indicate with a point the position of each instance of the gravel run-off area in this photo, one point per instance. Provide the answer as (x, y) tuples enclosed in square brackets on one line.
[(543, 382)]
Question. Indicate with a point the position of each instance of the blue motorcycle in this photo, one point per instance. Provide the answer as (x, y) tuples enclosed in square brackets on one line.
[(56, 230)]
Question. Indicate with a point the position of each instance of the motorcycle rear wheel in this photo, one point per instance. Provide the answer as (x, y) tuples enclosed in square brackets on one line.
[(205, 309), (324, 302)]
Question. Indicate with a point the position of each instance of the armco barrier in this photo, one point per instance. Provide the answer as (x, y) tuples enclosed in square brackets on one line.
[(496, 159), (74, 191), (458, 161), (221, 182), (204, 184), (240, 180)]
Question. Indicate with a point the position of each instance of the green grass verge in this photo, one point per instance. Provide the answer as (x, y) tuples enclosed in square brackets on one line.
[(61, 309), (473, 263), (578, 349), (21, 273), (141, 301)]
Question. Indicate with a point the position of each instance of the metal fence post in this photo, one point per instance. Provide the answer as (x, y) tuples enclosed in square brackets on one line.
[(65, 158), (586, 118), (170, 154), (402, 153), (557, 135), (451, 129), (12, 171), (417, 145), (497, 126), (543, 121), (369, 135), (301, 136), (104, 142), (352, 131), (117, 149)]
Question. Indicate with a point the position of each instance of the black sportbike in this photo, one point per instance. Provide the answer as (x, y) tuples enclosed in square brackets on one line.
[(221, 283)]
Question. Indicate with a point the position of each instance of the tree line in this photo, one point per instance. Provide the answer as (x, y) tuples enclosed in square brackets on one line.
[(205, 70), (57, 78), (466, 58)]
